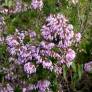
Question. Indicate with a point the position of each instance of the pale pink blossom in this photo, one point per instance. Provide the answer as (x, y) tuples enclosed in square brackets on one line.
[(37, 4), (29, 68), (88, 66), (78, 37), (47, 65), (70, 55), (43, 85)]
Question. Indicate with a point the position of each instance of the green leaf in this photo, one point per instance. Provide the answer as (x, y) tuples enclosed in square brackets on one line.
[(65, 72), (10, 3), (54, 85), (74, 67), (6, 2), (80, 70), (1, 76)]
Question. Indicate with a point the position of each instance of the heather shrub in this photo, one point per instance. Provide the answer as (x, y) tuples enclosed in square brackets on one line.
[(45, 45)]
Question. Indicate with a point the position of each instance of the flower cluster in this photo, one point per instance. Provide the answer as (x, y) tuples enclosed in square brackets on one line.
[(88, 67), (58, 33), (15, 41), (41, 86), (24, 52), (29, 68), (19, 6), (47, 65), (58, 30), (51, 53), (70, 55), (31, 56), (37, 4)]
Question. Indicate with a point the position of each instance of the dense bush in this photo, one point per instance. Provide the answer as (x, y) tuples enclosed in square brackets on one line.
[(45, 45)]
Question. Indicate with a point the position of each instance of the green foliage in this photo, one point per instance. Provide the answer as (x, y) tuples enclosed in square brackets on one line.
[(73, 74), (54, 82), (26, 1), (52, 59), (34, 91), (42, 73), (1, 76), (2, 50), (8, 3), (49, 6), (65, 72), (77, 73), (3, 55), (17, 89), (74, 67), (26, 40), (54, 85)]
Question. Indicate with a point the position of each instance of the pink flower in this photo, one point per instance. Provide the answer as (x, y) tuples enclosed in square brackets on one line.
[(78, 37), (37, 4), (88, 66), (24, 89), (45, 45), (32, 34), (29, 68), (11, 41), (70, 55), (43, 85), (47, 65), (24, 54), (12, 51)]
